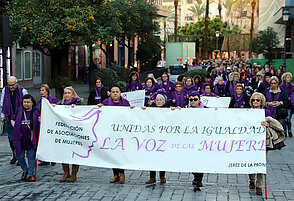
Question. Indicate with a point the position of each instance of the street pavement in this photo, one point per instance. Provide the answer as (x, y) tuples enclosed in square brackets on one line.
[(93, 183)]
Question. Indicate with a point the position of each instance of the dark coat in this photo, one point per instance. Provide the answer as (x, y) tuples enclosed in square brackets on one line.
[(92, 95)]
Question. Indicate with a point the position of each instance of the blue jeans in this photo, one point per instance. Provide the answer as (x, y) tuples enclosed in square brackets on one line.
[(287, 122), (31, 155)]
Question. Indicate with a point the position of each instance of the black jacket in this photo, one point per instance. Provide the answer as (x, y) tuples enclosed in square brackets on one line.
[(92, 95)]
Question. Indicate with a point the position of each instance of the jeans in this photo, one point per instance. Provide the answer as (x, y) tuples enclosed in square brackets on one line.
[(287, 122), (31, 155)]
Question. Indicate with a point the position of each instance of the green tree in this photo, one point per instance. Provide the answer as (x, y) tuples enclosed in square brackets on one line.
[(197, 30), (149, 52), (52, 25), (197, 10), (137, 18), (265, 43)]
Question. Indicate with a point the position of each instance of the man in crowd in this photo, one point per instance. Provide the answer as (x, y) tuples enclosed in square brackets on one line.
[(11, 98)]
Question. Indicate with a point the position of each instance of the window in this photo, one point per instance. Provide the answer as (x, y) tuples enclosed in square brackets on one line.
[(36, 64), (27, 65), (18, 66)]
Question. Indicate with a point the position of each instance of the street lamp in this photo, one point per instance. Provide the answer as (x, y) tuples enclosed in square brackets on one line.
[(285, 19), (217, 36)]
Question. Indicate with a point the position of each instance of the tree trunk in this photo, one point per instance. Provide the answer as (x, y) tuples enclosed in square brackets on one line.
[(206, 31), (59, 68), (253, 3), (220, 9), (176, 2), (228, 45)]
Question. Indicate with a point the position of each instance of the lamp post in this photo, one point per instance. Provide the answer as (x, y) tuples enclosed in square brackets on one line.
[(217, 36), (285, 19)]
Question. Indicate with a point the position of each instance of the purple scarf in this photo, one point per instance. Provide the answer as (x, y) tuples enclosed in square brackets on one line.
[(169, 88), (269, 98), (133, 86), (218, 88), (188, 89), (17, 136), (50, 98), (7, 109), (264, 83), (239, 102), (122, 102), (198, 86), (148, 93), (73, 101), (180, 98), (288, 88)]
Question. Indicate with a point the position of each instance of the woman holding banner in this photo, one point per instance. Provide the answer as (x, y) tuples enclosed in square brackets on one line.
[(25, 136), (70, 97), (194, 99), (208, 91), (115, 99), (257, 101), (160, 101), (134, 84), (98, 94), (45, 93)]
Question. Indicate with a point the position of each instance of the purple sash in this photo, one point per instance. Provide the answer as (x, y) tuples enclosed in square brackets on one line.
[(7, 109)]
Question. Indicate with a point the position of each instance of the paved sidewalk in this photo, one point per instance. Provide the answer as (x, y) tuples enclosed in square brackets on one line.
[(93, 183)]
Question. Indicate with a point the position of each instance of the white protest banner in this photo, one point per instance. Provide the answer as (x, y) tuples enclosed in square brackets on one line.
[(187, 140), (221, 102), (136, 98)]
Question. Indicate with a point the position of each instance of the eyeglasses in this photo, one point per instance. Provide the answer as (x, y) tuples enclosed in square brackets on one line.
[(193, 99), (257, 100), (274, 83), (178, 86)]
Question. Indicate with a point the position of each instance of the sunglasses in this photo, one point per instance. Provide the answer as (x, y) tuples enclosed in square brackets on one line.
[(193, 99), (257, 100)]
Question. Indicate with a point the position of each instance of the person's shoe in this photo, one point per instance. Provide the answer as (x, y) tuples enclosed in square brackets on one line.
[(290, 134), (199, 184), (17, 163), (151, 181), (252, 185), (114, 179), (24, 176), (13, 160), (42, 163), (122, 178), (52, 163), (65, 174), (31, 179), (73, 176), (162, 180), (258, 191)]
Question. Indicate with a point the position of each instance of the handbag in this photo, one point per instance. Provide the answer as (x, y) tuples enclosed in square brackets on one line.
[(32, 133), (281, 113)]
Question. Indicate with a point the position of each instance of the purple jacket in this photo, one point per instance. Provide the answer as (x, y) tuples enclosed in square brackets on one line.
[(122, 102), (133, 86), (181, 99), (169, 88), (51, 100)]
